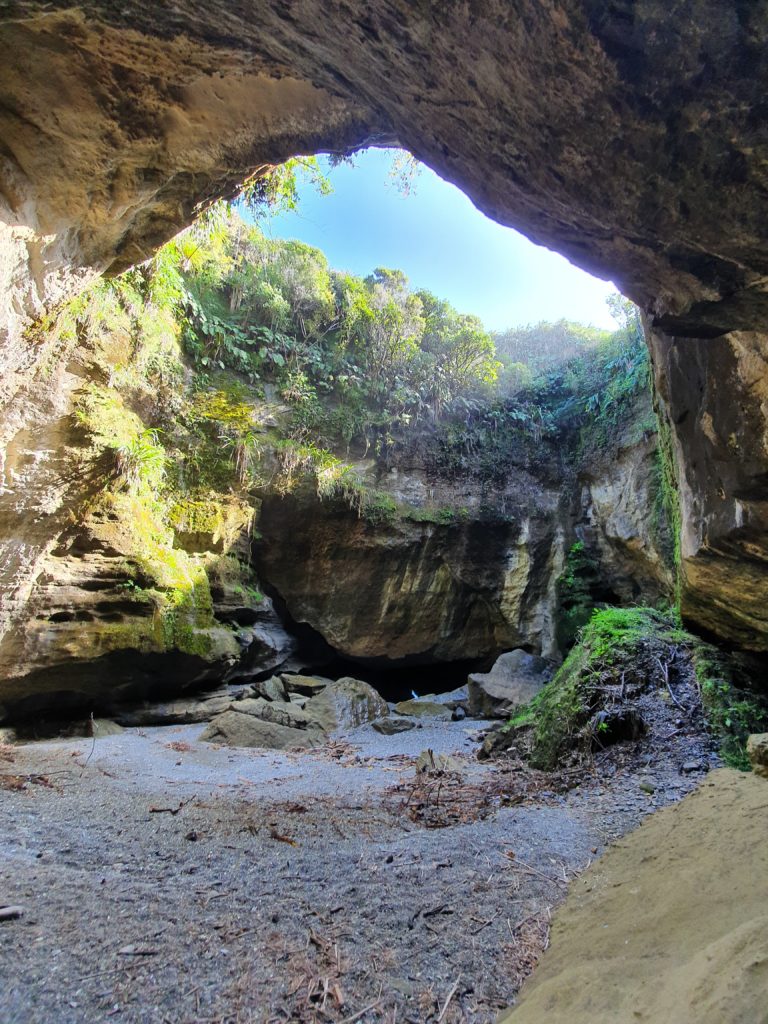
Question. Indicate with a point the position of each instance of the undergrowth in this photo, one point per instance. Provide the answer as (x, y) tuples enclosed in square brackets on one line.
[(621, 653)]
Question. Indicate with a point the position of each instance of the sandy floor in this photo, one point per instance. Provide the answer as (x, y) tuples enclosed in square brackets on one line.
[(165, 880)]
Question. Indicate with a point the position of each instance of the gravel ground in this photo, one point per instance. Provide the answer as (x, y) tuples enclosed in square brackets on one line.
[(166, 880)]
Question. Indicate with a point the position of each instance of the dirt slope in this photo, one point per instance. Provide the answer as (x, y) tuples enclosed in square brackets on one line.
[(671, 925)]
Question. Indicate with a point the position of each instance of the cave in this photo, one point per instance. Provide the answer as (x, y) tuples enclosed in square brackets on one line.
[(630, 137)]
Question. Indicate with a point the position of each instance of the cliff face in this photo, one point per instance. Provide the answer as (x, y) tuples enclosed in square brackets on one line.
[(631, 138), (453, 569), (714, 399)]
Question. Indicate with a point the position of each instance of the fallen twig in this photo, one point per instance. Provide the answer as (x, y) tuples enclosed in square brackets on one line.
[(447, 1002), (361, 1013), (170, 810)]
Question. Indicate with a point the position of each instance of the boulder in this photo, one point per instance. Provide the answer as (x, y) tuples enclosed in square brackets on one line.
[(423, 709), (390, 726), (234, 729), (309, 686), (757, 751), (515, 679), (272, 688), (452, 699), (280, 712), (345, 704), (184, 711)]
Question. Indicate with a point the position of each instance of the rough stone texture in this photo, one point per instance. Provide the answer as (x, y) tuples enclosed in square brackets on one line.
[(757, 750), (238, 730), (670, 924), (281, 712), (390, 726), (414, 589), (515, 678), (184, 711), (345, 704), (272, 688), (714, 398), (628, 136), (423, 709), (309, 686), (90, 637)]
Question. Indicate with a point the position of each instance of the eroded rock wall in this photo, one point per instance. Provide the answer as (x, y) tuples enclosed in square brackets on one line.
[(629, 136), (713, 397)]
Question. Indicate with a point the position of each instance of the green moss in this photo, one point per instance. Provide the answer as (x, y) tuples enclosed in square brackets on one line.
[(624, 645), (616, 642)]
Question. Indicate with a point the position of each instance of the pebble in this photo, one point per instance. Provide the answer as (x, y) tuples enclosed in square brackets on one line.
[(691, 766)]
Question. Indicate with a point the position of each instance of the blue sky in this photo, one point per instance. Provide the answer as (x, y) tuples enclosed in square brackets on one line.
[(443, 243)]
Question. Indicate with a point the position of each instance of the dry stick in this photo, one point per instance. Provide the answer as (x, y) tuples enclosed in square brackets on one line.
[(665, 673), (361, 1013), (451, 994), (534, 871), (93, 746)]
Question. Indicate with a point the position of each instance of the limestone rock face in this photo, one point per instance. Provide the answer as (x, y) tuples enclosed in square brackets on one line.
[(628, 136), (515, 678), (411, 588), (714, 399)]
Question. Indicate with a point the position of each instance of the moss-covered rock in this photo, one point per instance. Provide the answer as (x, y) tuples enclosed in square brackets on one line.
[(622, 655)]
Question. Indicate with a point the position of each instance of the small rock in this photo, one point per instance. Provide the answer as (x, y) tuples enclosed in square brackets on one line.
[(390, 726), (691, 766), (423, 709), (100, 727), (647, 786), (271, 689), (459, 714), (757, 751), (307, 685), (429, 761)]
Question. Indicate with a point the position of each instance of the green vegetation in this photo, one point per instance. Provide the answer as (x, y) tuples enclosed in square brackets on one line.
[(733, 710), (233, 362), (621, 654), (576, 594)]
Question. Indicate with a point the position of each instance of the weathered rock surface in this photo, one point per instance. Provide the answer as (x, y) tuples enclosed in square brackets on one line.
[(757, 751), (423, 709), (417, 589), (272, 688), (345, 704), (453, 699), (309, 686), (242, 730), (515, 678), (714, 398), (280, 712), (390, 726), (183, 711), (656, 930), (636, 147)]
